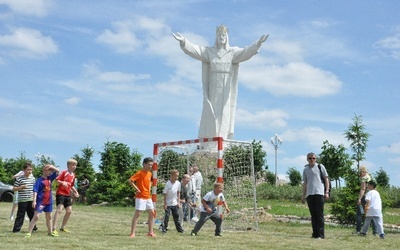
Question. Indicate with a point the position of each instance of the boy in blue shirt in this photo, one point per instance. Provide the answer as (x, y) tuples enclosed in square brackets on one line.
[(43, 198)]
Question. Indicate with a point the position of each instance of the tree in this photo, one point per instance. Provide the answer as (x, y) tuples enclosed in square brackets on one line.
[(381, 178), (336, 161), (259, 156), (294, 176), (270, 177), (169, 159), (358, 139), (344, 209), (85, 166), (41, 161), (13, 166), (117, 164)]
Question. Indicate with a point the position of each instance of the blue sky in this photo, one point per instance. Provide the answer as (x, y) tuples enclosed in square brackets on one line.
[(77, 73)]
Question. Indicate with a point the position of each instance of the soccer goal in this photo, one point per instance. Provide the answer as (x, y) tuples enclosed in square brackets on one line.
[(218, 160)]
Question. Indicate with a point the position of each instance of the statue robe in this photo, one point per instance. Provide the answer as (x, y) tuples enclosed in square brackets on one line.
[(220, 70)]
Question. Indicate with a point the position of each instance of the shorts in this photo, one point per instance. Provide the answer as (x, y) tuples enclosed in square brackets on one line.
[(143, 204), (44, 208), (65, 200)]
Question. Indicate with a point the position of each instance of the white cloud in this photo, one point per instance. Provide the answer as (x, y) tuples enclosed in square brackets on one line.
[(37, 8), (392, 148), (390, 45), (72, 101), (29, 43), (262, 119), (126, 38), (314, 136), (297, 79), (122, 40)]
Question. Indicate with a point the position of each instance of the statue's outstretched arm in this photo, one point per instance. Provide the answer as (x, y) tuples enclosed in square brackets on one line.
[(178, 37), (262, 39)]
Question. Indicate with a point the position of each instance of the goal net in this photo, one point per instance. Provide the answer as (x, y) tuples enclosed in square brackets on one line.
[(218, 160)]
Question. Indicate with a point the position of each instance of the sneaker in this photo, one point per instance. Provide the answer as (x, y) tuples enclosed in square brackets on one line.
[(193, 233), (28, 235), (357, 232), (151, 234), (64, 230), (35, 229), (26, 217), (53, 234), (12, 217), (220, 235), (195, 219), (382, 236)]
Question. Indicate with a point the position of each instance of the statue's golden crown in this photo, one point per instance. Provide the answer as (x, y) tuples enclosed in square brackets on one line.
[(222, 28)]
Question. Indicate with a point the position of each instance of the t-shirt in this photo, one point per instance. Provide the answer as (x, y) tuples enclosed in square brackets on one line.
[(142, 180), (375, 205), (312, 176), (69, 178), (212, 201), (43, 189), (198, 180), (185, 192), (171, 191), (25, 194)]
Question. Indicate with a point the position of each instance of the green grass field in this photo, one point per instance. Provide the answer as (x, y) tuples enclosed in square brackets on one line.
[(109, 227)]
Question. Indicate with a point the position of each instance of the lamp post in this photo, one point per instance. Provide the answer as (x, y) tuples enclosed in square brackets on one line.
[(276, 142)]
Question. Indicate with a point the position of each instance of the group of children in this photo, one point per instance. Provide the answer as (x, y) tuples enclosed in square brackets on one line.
[(141, 182), (35, 197)]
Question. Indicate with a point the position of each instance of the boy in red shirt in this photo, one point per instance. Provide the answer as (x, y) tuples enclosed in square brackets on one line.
[(65, 182), (141, 182)]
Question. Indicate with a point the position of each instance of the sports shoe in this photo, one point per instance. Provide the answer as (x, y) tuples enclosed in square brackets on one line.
[(193, 233), (28, 235), (151, 234), (12, 217), (220, 235), (382, 236), (53, 234), (64, 230), (195, 219)]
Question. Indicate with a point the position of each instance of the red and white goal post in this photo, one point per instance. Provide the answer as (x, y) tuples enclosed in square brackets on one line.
[(219, 160)]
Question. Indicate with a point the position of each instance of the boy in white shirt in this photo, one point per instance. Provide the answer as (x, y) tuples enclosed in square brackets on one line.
[(373, 210), (209, 209), (171, 202)]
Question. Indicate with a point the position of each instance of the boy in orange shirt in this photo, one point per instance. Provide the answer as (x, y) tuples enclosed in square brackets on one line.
[(141, 182)]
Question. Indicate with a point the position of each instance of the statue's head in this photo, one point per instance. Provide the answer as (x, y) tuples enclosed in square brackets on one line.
[(222, 38)]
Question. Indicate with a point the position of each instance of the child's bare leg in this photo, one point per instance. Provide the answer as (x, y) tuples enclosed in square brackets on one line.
[(134, 222), (68, 212), (48, 221), (33, 222), (57, 215), (150, 221)]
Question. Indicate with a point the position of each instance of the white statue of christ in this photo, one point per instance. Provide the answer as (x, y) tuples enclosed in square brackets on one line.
[(220, 67)]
